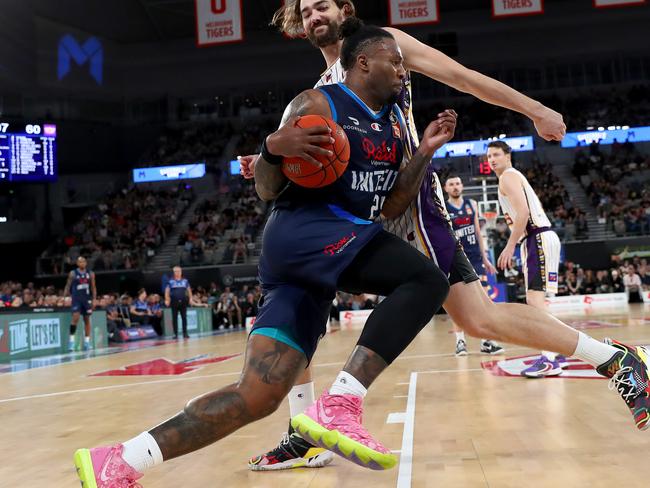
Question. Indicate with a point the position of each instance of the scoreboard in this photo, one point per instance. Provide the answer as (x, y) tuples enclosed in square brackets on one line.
[(27, 152)]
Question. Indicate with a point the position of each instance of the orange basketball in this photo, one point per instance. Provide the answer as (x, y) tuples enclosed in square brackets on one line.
[(306, 174)]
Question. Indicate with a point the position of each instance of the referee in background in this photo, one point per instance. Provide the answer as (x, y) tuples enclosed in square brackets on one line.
[(178, 295)]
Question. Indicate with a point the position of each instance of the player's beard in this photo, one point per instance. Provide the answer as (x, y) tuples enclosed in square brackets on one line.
[(327, 39)]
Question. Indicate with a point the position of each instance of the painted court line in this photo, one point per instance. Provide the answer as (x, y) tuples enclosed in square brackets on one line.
[(406, 456), (441, 371), (115, 387)]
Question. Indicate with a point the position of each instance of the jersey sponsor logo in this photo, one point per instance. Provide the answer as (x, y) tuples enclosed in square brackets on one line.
[(394, 123), (382, 152), (339, 247), (355, 128), (462, 221), (376, 127), (355, 121)]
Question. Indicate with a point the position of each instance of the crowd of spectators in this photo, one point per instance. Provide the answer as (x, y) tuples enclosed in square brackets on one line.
[(603, 107), (623, 275), (223, 229), (121, 232), (188, 144), (617, 185), (14, 294)]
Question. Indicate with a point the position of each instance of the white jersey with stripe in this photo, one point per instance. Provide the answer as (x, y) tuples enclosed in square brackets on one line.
[(537, 217), (410, 226)]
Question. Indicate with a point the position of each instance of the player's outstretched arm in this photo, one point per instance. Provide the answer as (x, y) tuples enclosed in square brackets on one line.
[(434, 64), (412, 173), (292, 141)]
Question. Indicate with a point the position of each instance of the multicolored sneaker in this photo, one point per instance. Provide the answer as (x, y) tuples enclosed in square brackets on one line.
[(491, 347), (292, 452), (334, 423), (629, 375), (103, 467), (461, 348), (542, 368)]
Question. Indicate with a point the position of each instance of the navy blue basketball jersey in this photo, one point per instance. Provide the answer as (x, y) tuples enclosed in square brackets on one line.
[(80, 286), (462, 220), (376, 152)]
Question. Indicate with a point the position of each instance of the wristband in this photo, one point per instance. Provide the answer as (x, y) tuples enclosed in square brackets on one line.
[(268, 157)]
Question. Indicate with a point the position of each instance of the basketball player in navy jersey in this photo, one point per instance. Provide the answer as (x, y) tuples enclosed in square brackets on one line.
[(315, 242), (83, 290), (424, 222), (463, 213)]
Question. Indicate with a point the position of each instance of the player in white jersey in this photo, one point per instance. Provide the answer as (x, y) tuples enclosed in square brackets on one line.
[(425, 224), (539, 246)]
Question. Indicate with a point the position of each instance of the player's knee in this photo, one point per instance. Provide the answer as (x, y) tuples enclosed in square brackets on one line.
[(433, 283)]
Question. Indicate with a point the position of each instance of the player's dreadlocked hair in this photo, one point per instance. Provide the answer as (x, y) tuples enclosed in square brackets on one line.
[(357, 36), (289, 20)]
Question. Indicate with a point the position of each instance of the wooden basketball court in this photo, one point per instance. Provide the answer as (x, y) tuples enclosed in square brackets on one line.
[(453, 422)]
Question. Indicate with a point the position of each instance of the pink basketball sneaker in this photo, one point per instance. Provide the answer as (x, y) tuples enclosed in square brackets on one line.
[(103, 467), (334, 423)]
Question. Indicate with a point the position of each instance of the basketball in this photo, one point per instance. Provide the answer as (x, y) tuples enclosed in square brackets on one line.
[(304, 173)]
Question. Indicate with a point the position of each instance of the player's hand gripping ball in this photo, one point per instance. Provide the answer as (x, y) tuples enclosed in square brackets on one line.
[(307, 174)]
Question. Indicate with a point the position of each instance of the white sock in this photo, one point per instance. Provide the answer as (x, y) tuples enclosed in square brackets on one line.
[(301, 397), (346, 384), (71, 337), (142, 452), (460, 336), (592, 351), (550, 355), (87, 340)]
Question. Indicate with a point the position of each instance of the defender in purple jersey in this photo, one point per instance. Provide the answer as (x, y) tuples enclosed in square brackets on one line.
[(424, 223)]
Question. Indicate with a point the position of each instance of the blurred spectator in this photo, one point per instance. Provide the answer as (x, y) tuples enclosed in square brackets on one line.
[(632, 282)]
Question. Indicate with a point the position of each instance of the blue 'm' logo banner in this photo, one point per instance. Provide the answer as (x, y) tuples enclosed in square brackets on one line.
[(91, 50)]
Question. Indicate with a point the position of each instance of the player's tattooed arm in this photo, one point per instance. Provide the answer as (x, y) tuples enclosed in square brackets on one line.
[(412, 173), (292, 141)]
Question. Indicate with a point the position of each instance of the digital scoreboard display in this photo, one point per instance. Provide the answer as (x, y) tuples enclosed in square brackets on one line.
[(27, 152), (169, 173), (479, 148)]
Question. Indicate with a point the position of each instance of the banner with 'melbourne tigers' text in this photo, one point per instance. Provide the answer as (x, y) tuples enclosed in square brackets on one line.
[(218, 22), (410, 12), (617, 3), (509, 8)]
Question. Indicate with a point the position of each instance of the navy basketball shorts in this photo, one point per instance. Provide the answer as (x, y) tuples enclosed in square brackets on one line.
[(304, 251), (84, 307)]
